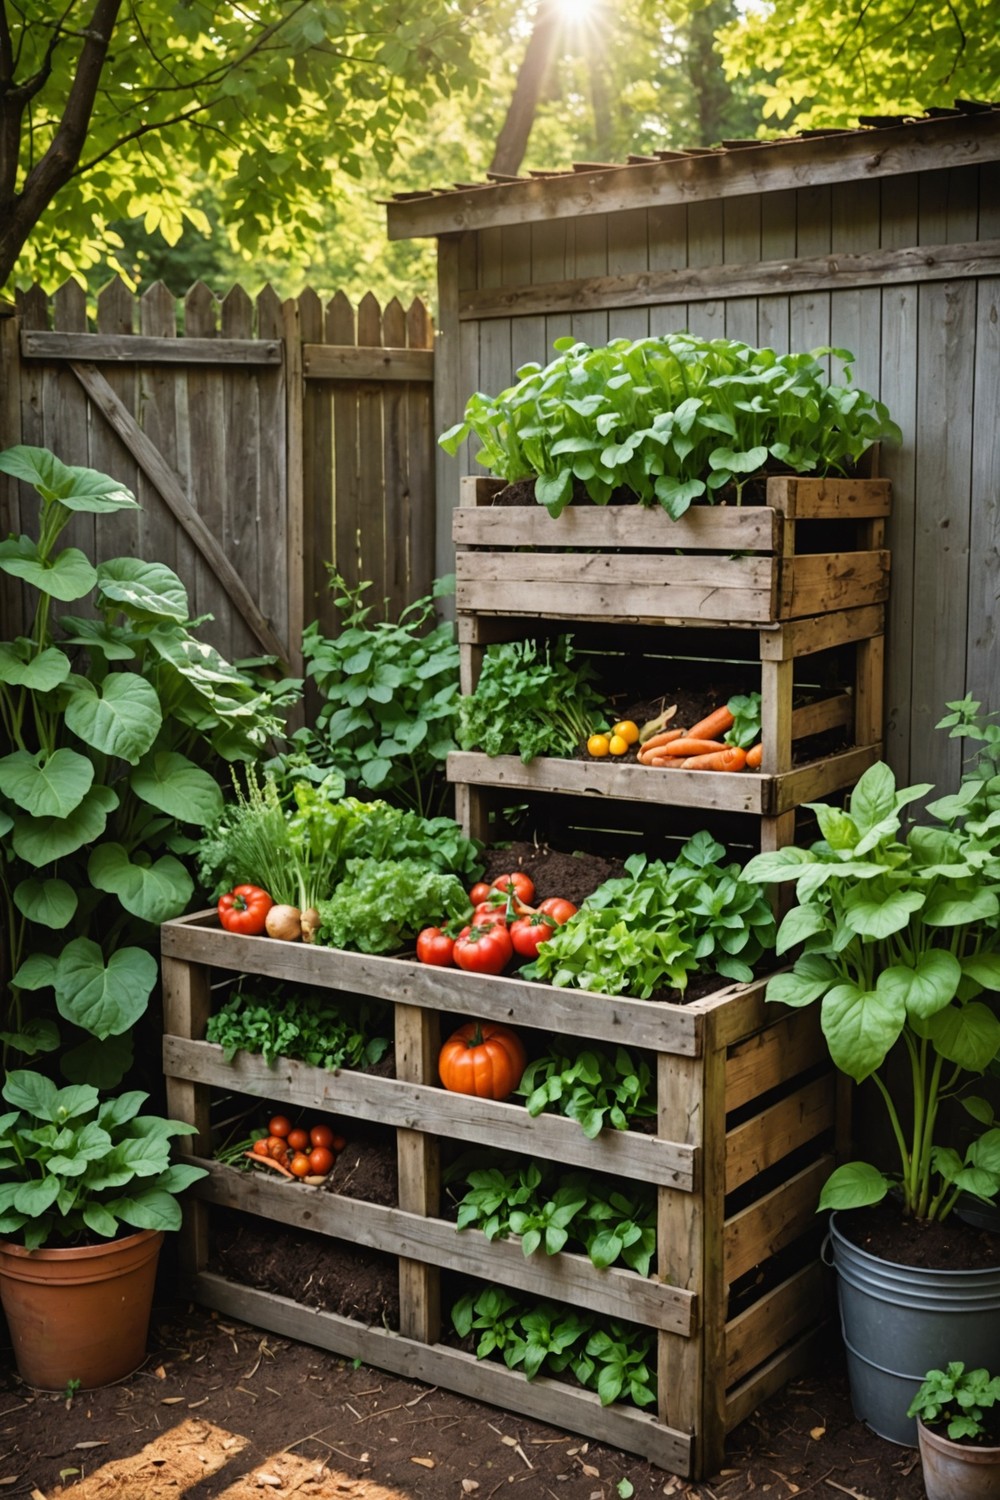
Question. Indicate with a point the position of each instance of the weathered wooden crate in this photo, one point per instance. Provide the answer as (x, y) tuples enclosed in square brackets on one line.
[(746, 1121), (740, 566)]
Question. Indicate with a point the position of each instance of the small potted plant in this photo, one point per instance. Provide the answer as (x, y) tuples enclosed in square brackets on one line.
[(78, 1175), (958, 1426)]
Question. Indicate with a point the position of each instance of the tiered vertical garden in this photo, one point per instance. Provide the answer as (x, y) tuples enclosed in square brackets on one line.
[(786, 597)]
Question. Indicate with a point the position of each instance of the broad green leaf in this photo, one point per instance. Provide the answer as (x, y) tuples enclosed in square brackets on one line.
[(76, 488), (778, 864), (554, 490), (121, 717), (37, 972), (979, 1109), (21, 668), (151, 1209), (33, 1198), (978, 906), (856, 1184), (154, 892), (39, 841), (51, 903), (968, 1035), (800, 923), (103, 1063), (175, 785), (879, 916), (927, 987), (46, 786), (31, 1092), (984, 968), (144, 589), (860, 1027), (37, 1036), (874, 797), (96, 636), (795, 989), (985, 1152), (67, 576), (104, 998)]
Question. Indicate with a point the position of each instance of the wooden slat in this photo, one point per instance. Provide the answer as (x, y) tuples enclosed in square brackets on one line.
[(712, 577), (97, 348), (816, 779), (747, 280), (167, 485), (543, 1399), (771, 1135), (632, 782), (705, 528), (805, 1353), (408, 1106), (570, 1278), (784, 1313), (829, 499), (187, 1001), (615, 601), (838, 580), (418, 1155), (824, 714), (637, 1023), (756, 1233), (805, 637), (785, 1048), (726, 174), (368, 362)]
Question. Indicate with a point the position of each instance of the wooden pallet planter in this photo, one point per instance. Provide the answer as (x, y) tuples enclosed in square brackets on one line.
[(717, 565), (743, 1089)]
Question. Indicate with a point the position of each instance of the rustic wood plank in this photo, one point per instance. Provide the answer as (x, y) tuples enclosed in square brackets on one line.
[(449, 396), (788, 1046), (418, 1155), (421, 447), (982, 654), (829, 498), (371, 461), (206, 437), (295, 559), (839, 628), (816, 779), (241, 510), (167, 485), (278, 466), (187, 1002), (164, 423), (409, 1106), (838, 580), (809, 311), (765, 1138), (777, 243), (707, 319), (11, 618), (632, 782), (739, 285), (396, 510), (774, 1221), (96, 348), (67, 418), (803, 1354), (546, 1400), (391, 363), (654, 603), (827, 713), (784, 1313), (570, 1278), (706, 528), (776, 716), (741, 244), (628, 253)]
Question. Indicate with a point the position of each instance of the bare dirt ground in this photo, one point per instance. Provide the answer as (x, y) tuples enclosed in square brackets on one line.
[(221, 1411)]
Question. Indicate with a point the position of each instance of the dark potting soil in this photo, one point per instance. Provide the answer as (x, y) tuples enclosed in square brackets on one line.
[(571, 876), (954, 1246)]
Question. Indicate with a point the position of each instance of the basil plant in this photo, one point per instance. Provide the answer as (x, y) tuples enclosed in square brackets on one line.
[(110, 720), (900, 947)]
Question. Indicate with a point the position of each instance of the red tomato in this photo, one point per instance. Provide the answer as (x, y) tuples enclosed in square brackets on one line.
[(479, 892), (487, 915), (338, 1143), (244, 910), (321, 1160), (321, 1135), (260, 1147), (522, 885), (298, 1140), (435, 947), (483, 950), (299, 1165), (528, 932), (276, 1147), (279, 1125), (559, 910)]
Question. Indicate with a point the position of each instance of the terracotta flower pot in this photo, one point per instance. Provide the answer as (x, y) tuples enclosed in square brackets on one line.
[(79, 1314), (957, 1471)]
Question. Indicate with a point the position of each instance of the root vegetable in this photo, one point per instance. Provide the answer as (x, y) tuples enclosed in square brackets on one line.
[(733, 759), (310, 924), (755, 755), (268, 1161), (715, 723), (284, 922)]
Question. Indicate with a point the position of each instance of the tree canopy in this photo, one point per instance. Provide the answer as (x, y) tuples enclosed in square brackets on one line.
[(119, 110)]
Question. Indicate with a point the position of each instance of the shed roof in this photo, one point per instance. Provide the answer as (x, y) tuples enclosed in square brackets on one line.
[(881, 146)]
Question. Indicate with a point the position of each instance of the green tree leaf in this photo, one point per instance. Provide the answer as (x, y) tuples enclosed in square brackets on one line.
[(926, 987), (76, 488), (857, 1184), (39, 841), (20, 667), (176, 786), (66, 576), (145, 590), (46, 786), (51, 903), (155, 892), (860, 1027), (121, 717), (104, 998), (968, 1035)]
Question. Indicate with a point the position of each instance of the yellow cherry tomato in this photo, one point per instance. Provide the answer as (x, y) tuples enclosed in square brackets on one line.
[(627, 731), (598, 745), (617, 744)]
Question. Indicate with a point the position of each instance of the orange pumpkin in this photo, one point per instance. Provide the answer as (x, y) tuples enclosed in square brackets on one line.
[(482, 1059)]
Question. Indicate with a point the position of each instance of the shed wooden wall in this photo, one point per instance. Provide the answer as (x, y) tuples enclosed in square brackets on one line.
[(924, 325)]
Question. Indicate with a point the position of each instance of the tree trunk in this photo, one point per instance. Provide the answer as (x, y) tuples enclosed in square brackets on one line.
[(512, 142)]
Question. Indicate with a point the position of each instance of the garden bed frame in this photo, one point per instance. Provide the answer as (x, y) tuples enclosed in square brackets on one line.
[(742, 1089)]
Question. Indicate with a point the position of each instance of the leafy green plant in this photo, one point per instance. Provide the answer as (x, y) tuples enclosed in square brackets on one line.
[(389, 698), (670, 419), (899, 940), (592, 1088), (382, 903), (114, 719), (322, 1030), (614, 1359), (73, 1167), (959, 1400), (659, 924), (745, 730), (532, 698)]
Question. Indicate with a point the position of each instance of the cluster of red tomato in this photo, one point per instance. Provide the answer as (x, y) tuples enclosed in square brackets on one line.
[(304, 1153), (503, 923)]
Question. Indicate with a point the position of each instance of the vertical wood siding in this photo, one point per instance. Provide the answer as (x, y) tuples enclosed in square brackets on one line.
[(929, 348)]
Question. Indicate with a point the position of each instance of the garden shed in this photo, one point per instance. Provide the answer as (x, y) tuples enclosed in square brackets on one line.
[(883, 240)]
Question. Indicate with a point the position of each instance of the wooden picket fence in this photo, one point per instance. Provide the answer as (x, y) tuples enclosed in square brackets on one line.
[(264, 439)]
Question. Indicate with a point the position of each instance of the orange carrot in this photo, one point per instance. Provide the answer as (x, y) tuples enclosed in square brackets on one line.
[(661, 758), (656, 740), (268, 1161), (730, 759), (755, 755), (712, 725), (693, 745)]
